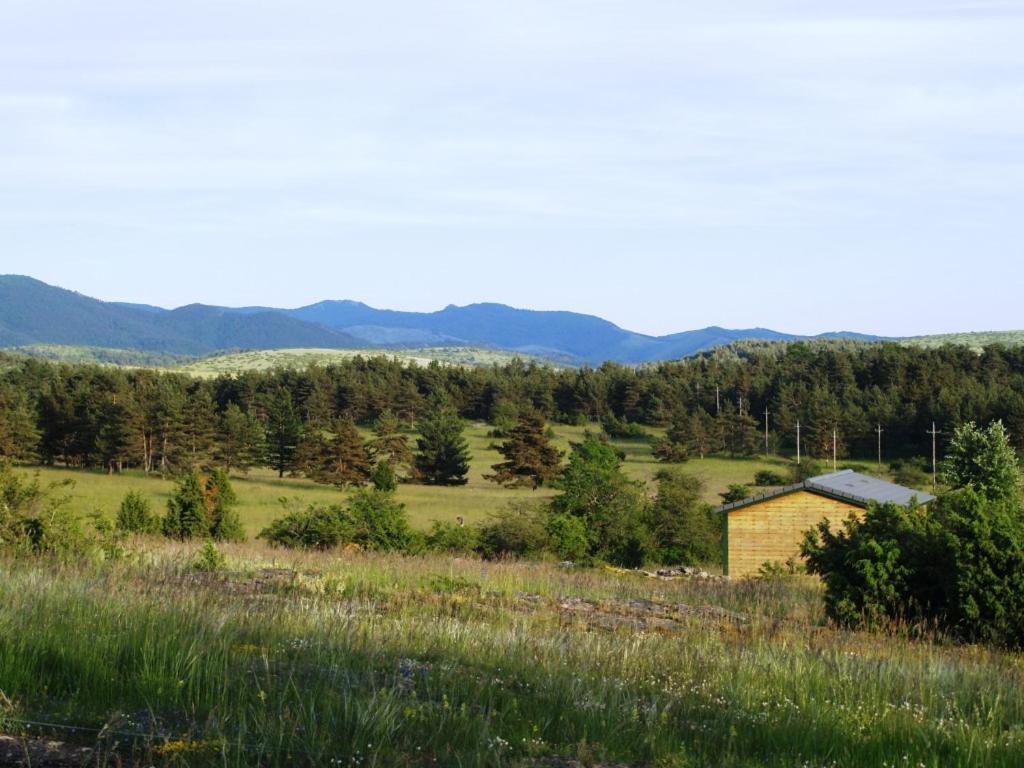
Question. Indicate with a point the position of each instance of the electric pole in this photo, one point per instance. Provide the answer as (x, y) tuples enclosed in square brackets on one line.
[(766, 431), (798, 441), (935, 455), (835, 441), (718, 401), (879, 430)]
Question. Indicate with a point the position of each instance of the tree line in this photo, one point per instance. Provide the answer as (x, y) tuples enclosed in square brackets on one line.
[(93, 416)]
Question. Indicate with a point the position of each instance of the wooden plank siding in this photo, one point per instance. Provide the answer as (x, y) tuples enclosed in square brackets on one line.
[(772, 530)]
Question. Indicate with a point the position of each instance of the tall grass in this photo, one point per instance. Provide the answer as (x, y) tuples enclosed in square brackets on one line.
[(373, 660)]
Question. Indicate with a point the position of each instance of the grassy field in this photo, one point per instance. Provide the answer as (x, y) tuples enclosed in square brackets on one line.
[(260, 491), (367, 660)]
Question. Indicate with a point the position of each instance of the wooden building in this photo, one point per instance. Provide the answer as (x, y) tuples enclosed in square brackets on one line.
[(770, 528)]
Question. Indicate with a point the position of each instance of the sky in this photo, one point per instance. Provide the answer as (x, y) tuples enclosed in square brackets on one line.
[(666, 164)]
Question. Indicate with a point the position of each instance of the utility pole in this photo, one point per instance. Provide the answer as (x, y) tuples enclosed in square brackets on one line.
[(741, 405), (935, 455), (835, 441), (718, 401), (766, 431), (879, 430), (798, 441)]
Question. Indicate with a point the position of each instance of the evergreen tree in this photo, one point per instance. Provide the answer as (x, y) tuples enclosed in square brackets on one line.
[(19, 436), (347, 462), (114, 435), (442, 456), (741, 433), (199, 423), (530, 459), (683, 525), (283, 430), (187, 516), (389, 444), (240, 440)]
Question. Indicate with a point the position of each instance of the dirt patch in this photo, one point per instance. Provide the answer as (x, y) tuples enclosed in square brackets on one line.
[(42, 753), (636, 615)]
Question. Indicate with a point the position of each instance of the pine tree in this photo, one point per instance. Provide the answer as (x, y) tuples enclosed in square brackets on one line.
[(530, 459), (187, 516), (388, 443), (442, 456), (19, 437), (348, 462), (199, 421), (240, 439), (283, 430)]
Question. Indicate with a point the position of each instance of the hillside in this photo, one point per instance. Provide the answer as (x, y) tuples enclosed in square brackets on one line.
[(33, 313)]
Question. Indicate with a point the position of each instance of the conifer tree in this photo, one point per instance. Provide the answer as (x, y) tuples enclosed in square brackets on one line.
[(389, 444), (240, 439), (442, 456), (283, 430), (199, 422), (530, 459), (347, 462)]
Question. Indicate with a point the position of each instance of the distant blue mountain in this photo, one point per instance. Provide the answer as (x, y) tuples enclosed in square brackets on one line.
[(32, 312)]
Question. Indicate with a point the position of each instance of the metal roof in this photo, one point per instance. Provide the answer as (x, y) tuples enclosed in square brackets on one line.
[(846, 485)]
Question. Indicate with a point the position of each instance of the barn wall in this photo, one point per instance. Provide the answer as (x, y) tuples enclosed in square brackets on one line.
[(772, 530)]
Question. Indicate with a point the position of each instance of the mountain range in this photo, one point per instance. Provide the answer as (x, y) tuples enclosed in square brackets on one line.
[(33, 312)]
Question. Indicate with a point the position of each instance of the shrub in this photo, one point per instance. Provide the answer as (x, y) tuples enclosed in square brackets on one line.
[(767, 477), (135, 515), (379, 521), (567, 537), (622, 429), (887, 568), (517, 531), (735, 493), (913, 472), (35, 519), (316, 527), (383, 477), (805, 470), (984, 460), (451, 538), (209, 559)]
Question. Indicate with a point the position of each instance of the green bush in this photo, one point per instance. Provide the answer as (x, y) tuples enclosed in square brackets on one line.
[(35, 519), (887, 568), (567, 537), (735, 493), (135, 515), (805, 470), (316, 527), (767, 477), (383, 477), (379, 521), (451, 538), (517, 531), (209, 559)]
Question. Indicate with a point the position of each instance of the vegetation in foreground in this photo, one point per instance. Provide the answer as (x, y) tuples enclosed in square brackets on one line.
[(170, 656)]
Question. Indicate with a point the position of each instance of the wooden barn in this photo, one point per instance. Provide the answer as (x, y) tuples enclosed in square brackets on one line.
[(770, 527)]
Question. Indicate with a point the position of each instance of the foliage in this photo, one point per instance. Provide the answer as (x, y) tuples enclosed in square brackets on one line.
[(203, 506), (734, 493), (767, 477), (389, 444), (684, 528), (882, 570), (611, 507), (135, 515), (621, 429), (442, 456), (517, 531), (911, 472), (379, 521), (530, 459), (805, 470), (567, 537), (452, 538), (984, 460), (35, 519), (318, 526), (209, 559), (339, 458), (383, 477)]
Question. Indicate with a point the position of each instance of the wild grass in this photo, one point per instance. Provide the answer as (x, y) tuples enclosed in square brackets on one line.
[(374, 660)]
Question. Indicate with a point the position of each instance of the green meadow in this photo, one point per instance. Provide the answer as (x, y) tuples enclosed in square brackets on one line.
[(261, 491), (285, 659)]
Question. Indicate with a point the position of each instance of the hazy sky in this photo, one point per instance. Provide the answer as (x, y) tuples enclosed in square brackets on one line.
[(667, 164)]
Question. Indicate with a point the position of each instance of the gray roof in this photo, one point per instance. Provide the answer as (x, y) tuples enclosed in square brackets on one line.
[(846, 485)]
